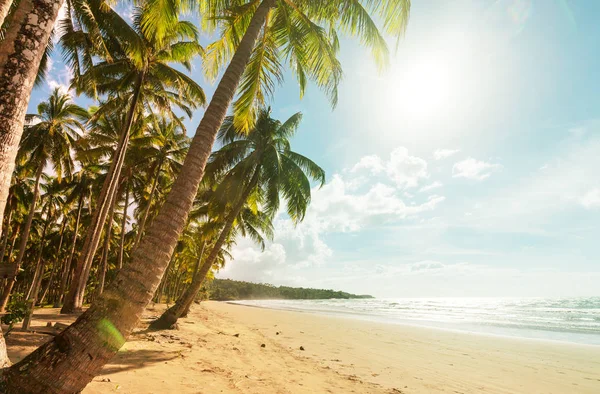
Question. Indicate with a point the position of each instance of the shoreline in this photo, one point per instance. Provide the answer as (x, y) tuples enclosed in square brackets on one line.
[(415, 324), (219, 349)]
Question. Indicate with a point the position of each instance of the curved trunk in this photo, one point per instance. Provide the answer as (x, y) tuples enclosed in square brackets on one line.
[(183, 303), (147, 210), (69, 261), (123, 224), (70, 360), (74, 299), (23, 241), (20, 55)]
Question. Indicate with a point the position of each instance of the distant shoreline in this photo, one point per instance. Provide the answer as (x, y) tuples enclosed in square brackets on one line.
[(524, 333)]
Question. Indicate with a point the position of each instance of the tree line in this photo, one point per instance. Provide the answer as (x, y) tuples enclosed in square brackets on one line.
[(113, 204), (230, 290)]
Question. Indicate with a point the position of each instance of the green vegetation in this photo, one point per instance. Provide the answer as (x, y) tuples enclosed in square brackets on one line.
[(229, 290), (118, 204)]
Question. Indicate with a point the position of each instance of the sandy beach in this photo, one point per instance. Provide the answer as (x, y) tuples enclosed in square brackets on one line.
[(218, 349)]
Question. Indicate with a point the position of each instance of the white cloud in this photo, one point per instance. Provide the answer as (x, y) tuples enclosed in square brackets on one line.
[(348, 203), (405, 170), (471, 168), (431, 186), (591, 199), (53, 84), (440, 154)]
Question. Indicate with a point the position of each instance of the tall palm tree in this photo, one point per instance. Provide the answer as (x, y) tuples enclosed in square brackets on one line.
[(21, 52), (259, 164), (166, 153), (97, 335), (137, 77), (48, 140)]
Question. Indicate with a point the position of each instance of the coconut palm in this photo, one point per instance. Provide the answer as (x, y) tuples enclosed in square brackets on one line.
[(48, 140), (166, 153), (138, 76), (102, 329), (22, 49), (259, 166)]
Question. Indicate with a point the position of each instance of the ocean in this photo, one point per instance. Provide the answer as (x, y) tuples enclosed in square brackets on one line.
[(559, 319)]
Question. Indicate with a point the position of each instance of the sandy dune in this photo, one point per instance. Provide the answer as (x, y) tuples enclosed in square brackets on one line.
[(218, 350)]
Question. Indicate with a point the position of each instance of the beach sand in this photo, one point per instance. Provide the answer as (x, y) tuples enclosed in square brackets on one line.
[(217, 349)]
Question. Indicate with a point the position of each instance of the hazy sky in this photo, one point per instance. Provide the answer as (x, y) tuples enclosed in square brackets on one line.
[(469, 168)]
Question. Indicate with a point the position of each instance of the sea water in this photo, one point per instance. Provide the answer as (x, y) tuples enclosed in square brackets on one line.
[(560, 319)]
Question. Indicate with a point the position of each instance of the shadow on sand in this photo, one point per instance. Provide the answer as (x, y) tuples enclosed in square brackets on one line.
[(136, 359)]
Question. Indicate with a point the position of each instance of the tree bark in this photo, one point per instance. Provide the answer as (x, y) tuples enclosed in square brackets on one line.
[(74, 299), (68, 362), (183, 303), (20, 55), (4, 360), (5, 240), (69, 261), (4, 10), (24, 239), (147, 210), (123, 224)]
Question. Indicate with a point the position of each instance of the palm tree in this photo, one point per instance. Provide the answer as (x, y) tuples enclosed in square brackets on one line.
[(139, 66), (48, 139), (80, 190), (261, 164), (21, 52), (168, 149), (102, 329)]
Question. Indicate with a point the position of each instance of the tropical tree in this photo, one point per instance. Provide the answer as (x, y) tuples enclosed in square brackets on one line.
[(169, 145), (261, 165), (97, 335), (48, 140), (138, 76)]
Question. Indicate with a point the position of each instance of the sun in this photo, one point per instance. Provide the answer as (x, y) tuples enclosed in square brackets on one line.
[(422, 88)]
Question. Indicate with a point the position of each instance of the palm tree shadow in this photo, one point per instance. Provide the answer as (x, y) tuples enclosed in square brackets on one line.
[(136, 359)]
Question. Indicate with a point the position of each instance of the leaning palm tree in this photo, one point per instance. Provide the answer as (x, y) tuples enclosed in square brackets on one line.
[(260, 165), (48, 140), (138, 77), (97, 335)]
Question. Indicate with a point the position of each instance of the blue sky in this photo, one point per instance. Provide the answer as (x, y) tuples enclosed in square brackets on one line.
[(468, 168)]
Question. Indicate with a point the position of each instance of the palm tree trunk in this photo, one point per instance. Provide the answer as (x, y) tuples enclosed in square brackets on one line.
[(69, 261), (55, 263), (4, 10), (147, 210), (196, 269), (104, 262), (6, 236), (74, 299), (98, 334), (124, 224), (20, 55), (23, 241), (40, 263), (183, 303)]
